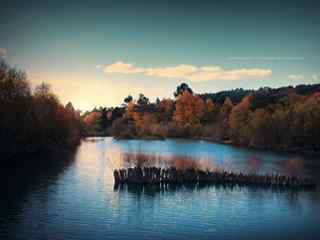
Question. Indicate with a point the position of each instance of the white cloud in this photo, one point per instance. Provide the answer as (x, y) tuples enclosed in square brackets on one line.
[(122, 67), (218, 73), (189, 72), (294, 77), (3, 52), (179, 71)]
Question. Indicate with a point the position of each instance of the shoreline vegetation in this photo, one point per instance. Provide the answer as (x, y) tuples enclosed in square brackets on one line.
[(282, 119), (33, 121), (285, 119)]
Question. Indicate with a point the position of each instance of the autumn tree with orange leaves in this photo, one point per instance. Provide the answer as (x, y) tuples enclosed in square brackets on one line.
[(189, 110)]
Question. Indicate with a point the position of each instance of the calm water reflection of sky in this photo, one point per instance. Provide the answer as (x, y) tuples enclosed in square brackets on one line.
[(78, 200)]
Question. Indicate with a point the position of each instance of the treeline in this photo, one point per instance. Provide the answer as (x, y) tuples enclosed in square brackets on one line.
[(285, 118), (234, 95), (33, 121), (98, 122)]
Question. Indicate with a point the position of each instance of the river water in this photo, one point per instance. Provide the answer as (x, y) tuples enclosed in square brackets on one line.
[(72, 196)]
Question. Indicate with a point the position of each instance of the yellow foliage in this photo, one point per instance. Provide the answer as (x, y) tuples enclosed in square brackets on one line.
[(238, 120), (189, 109)]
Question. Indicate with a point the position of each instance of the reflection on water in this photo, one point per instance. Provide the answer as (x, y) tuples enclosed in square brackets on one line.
[(155, 189), (219, 156), (23, 179), (74, 197)]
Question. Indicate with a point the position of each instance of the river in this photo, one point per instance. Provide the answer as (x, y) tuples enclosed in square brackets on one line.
[(72, 196)]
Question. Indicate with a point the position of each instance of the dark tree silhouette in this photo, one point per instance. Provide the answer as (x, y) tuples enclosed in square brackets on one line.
[(143, 100), (128, 99), (181, 88), (70, 106), (32, 122), (103, 119)]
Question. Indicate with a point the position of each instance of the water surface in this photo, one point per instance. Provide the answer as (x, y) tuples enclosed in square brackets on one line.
[(74, 197)]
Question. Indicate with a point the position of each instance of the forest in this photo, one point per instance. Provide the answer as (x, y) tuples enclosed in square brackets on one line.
[(33, 121), (286, 118)]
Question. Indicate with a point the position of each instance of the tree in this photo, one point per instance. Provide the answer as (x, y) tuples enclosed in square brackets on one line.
[(210, 112), (306, 121), (128, 114), (235, 95), (165, 111), (221, 125), (71, 109), (227, 106), (189, 110), (128, 99), (92, 118), (143, 100), (104, 119), (239, 119), (181, 89), (262, 131), (31, 122), (13, 84), (42, 90), (15, 103)]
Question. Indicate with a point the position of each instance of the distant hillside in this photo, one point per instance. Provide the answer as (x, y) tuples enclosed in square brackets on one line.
[(262, 96)]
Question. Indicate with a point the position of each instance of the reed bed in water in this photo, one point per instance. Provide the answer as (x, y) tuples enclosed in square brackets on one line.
[(180, 162), (153, 169)]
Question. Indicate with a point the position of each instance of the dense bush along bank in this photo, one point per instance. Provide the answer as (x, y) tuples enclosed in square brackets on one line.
[(33, 121), (286, 118)]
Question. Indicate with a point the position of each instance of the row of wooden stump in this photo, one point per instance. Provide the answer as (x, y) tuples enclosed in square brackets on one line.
[(154, 175)]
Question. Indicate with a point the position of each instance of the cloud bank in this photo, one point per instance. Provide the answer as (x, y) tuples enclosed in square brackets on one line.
[(3, 52), (188, 72)]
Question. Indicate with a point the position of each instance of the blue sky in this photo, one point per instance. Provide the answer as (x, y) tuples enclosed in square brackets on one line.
[(97, 53)]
